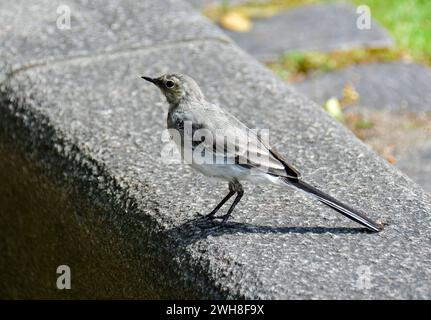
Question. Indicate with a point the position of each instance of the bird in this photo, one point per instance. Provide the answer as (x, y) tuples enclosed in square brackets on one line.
[(220, 146)]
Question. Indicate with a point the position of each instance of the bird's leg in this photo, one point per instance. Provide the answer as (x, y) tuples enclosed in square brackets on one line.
[(217, 208), (234, 187), (235, 202), (237, 187)]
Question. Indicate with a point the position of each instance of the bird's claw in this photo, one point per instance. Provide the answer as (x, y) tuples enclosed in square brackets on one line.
[(209, 216)]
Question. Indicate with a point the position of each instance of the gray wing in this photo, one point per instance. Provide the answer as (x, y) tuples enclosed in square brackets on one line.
[(234, 140)]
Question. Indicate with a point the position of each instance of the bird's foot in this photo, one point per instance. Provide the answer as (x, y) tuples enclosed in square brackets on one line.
[(223, 218), (209, 216)]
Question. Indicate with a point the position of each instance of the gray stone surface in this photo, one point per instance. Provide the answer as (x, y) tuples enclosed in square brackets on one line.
[(29, 33), (92, 124), (417, 165), (323, 27), (391, 86)]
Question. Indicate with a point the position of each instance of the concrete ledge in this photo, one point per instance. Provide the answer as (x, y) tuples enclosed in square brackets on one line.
[(30, 35), (81, 146)]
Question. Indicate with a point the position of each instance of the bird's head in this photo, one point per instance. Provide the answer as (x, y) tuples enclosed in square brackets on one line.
[(176, 87)]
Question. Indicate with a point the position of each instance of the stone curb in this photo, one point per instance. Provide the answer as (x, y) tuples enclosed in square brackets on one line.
[(85, 135)]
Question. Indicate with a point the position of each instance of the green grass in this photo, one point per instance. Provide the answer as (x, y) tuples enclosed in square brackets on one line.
[(408, 21)]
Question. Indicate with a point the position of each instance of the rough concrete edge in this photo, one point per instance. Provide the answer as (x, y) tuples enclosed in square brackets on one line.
[(56, 155)]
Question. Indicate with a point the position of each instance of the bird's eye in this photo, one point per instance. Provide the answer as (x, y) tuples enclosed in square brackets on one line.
[(170, 84)]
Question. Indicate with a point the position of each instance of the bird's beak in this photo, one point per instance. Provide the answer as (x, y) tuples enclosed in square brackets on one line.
[(155, 81)]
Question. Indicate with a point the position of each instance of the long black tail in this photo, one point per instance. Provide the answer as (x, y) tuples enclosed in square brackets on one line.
[(342, 208)]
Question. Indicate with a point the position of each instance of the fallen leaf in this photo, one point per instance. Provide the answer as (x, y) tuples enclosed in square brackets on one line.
[(235, 21), (333, 107), (350, 95), (391, 159)]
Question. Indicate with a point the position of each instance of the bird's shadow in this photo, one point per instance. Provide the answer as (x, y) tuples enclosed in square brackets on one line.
[(200, 228)]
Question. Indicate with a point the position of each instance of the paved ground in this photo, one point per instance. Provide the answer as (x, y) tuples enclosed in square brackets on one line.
[(322, 27), (390, 86), (201, 4), (399, 98), (92, 125), (417, 165)]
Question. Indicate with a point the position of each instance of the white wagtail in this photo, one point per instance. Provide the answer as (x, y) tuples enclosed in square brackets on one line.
[(245, 156)]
